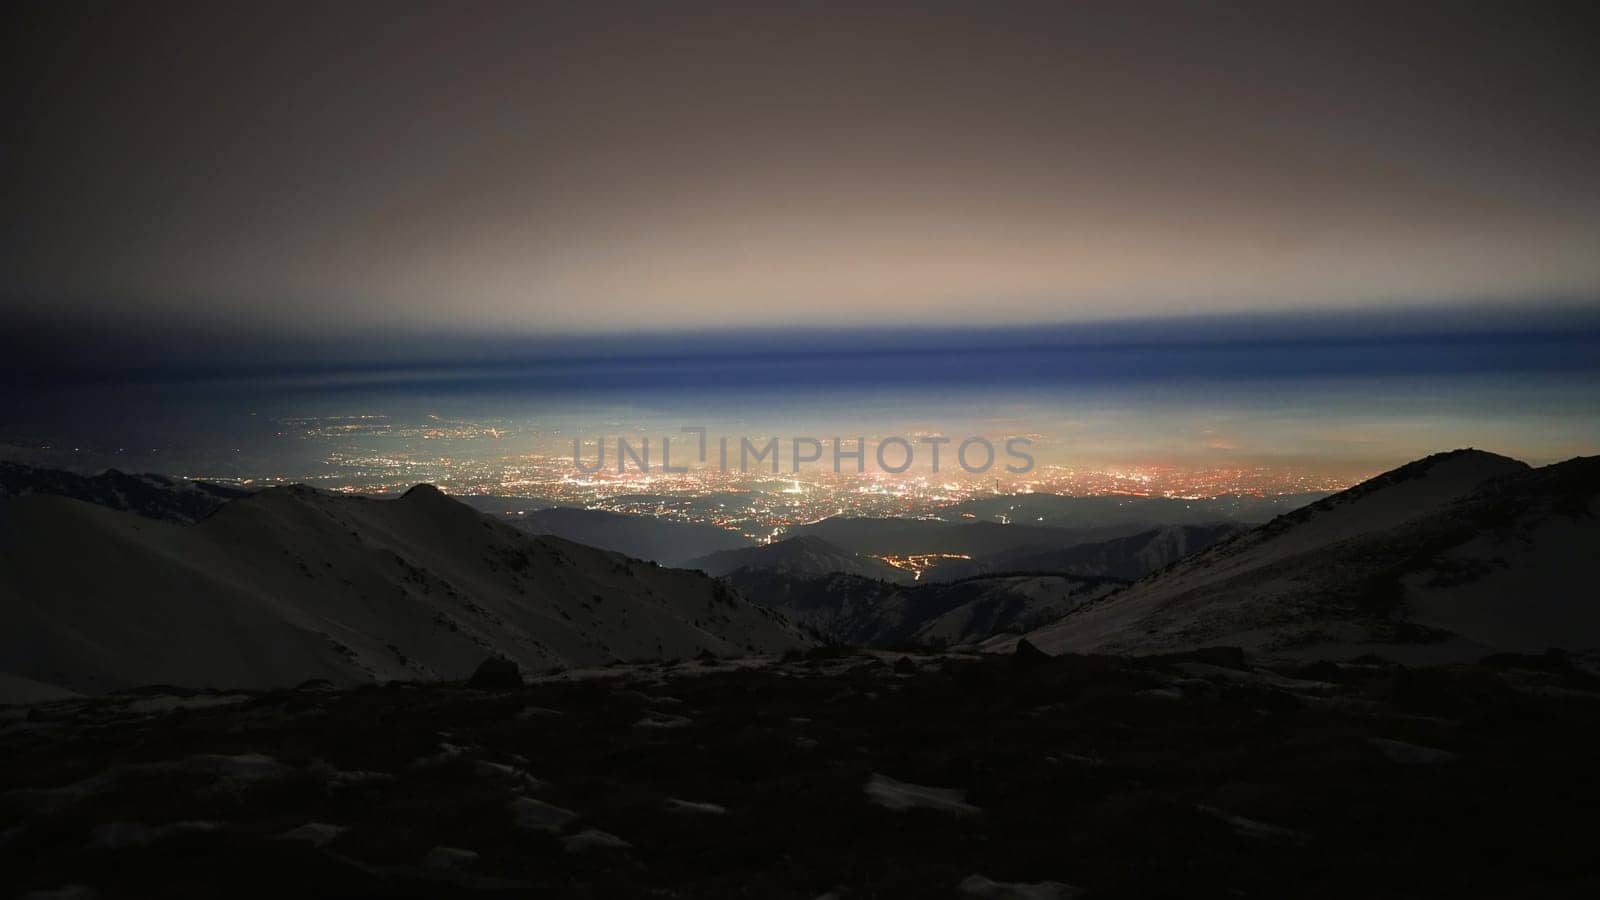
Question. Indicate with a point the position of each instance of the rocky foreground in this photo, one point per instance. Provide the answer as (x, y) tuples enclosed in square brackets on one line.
[(832, 772)]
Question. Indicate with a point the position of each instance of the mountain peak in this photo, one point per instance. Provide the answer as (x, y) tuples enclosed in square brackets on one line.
[(1456, 471), (424, 493), (1470, 455)]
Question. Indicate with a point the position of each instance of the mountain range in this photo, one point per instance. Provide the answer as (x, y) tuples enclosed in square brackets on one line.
[(151, 496), (113, 581)]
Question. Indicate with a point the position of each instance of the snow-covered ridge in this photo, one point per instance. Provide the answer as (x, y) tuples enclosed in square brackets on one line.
[(289, 584), (1451, 556)]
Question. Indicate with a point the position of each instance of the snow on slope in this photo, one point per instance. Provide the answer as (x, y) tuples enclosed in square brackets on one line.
[(1450, 556), (291, 584)]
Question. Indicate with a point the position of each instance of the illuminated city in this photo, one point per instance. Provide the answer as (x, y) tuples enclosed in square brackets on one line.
[(372, 454)]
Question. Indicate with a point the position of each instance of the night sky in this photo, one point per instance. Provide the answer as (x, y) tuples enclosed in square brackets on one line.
[(349, 169)]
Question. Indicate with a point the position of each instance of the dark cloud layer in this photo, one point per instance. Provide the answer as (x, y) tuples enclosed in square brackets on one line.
[(528, 168)]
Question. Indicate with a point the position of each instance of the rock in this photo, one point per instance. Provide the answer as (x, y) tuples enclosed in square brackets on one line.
[(237, 770), (979, 886), (496, 674), (900, 795), (1254, 828), (663, 720)]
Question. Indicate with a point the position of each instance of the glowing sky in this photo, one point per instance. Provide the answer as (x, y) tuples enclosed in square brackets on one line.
[(543, 168)]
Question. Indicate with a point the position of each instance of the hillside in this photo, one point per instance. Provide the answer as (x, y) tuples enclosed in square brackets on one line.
[(850, 609), (290, 584), (803, 555), (1448, 557)]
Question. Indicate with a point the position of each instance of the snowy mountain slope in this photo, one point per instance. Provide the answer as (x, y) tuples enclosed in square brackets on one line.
[(802, 555), (850, 609), (1447, 557), (151, 496), (291, 584)]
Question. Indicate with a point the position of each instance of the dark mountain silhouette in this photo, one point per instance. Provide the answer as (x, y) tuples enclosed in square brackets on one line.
[(151, 496), (851, 609)]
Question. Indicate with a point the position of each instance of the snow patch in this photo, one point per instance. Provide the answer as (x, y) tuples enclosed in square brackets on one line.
[(536, 815), (900, 795), (1253, 828), (500, 770), (692, 808), (663, 720), (594, 839)]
